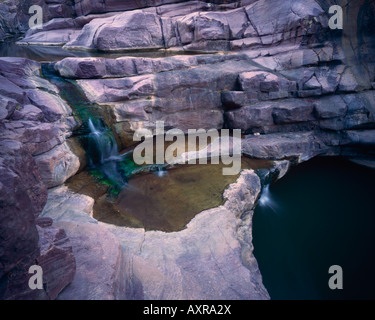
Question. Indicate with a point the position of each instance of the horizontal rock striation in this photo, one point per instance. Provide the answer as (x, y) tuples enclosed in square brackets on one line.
[(188, 26), (273, 69), (296, 77)]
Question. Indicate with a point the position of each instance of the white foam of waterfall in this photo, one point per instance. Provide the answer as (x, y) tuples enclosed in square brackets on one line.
[(266, 199)]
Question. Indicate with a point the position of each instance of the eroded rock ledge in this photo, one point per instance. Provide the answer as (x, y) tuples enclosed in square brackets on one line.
[(35, 124), (211, 259), (296, 89)]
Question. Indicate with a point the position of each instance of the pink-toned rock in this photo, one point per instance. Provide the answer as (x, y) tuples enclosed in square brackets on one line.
[(57, 165), (100, 263), (129, 30), (53, 107), (56, 259), (211, 259), (22, 197)]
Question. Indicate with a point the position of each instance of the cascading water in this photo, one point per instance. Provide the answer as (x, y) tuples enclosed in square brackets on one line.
[(161, 172), (102, 144), (104, 159), (103, 153), (266, 199)]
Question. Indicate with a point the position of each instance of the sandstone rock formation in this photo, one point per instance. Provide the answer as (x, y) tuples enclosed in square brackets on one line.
[(294, 75), (273, 69), (33, 125), (211, 259)]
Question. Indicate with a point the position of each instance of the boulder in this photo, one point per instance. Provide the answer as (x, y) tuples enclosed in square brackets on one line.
[(100, 264), (234, 99), (63, 204), (10, 90), (253, 116), (38, 137), (272, 113), (53, 107), (267, 85), (57, 165), (7, 107), (291, 111), (28, 113), (330, 107), (301, 146), (126, 31)]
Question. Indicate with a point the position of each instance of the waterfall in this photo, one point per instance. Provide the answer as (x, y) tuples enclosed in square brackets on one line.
[(266, 199), (102, 144), (161, 172), (103, 153)]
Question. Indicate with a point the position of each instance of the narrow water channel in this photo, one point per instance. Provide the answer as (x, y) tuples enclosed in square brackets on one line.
[(320, 214)]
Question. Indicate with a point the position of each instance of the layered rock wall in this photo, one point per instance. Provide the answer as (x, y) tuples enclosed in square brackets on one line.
[(273, 69), (34, 125)]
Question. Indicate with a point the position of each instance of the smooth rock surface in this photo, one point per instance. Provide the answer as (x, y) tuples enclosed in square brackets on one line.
[(211, 259), (57, 165), (100, 265)]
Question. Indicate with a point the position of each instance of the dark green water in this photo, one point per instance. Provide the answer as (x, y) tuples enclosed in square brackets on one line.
[(321, 213)]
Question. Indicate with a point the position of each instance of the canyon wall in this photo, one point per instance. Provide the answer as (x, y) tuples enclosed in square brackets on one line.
[(273, 69)]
